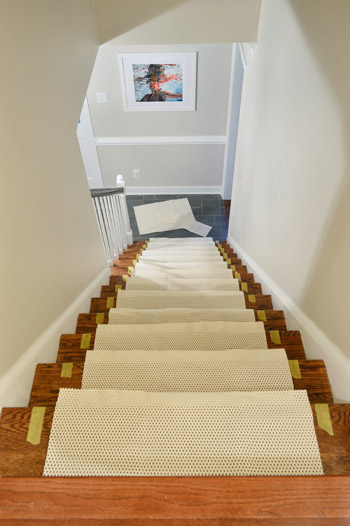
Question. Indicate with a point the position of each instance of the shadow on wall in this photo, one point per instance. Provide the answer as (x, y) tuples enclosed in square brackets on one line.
[(117, 18), (325, 28)]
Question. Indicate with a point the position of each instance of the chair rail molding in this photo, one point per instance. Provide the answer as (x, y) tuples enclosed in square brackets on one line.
[(161, 140)]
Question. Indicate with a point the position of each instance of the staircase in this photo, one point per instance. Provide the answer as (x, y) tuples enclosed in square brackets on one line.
[(25, 432)]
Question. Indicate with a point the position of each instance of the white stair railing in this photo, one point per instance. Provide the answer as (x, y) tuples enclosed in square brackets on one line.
[(113, 219)]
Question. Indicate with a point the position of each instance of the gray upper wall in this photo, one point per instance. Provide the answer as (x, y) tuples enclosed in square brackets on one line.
[(213, 77)]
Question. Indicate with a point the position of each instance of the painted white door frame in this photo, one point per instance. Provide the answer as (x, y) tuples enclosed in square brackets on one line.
[(88, 148), (234, 105)]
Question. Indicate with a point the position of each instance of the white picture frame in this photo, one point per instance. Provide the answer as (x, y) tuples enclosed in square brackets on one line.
[(158, 81)]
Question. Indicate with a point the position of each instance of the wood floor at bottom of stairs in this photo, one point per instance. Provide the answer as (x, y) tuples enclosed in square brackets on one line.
[(20, 458)]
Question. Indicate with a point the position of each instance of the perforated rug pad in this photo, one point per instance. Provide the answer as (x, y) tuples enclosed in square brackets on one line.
[(178, 255), (172, 265), (116, 433), (137, 283), (180, 248), (185, 273), (204, 371), (168, 257), (140, 316), (205, 336), (181, 241), (159, 299)]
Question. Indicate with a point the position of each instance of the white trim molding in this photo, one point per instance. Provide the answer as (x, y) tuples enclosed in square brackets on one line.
[(161, 141), (16, 383), (316, 342), (172, 190)]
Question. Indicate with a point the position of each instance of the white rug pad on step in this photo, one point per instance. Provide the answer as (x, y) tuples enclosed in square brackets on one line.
[(147, 316), (168, 215), (197, 371), (186, 255), (136, 283), (179, 247), (181, 241), (197, 336), (186, 273), (161, 265), (159, 299), (137, 433)]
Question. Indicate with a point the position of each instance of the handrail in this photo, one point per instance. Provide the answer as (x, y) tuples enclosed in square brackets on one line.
[(98, 192), (113, 219)]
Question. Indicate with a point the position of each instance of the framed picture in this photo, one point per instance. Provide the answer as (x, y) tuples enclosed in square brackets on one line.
[(158, 81)]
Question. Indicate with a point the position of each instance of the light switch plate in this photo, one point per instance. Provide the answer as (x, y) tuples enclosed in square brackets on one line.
[(102, 98)]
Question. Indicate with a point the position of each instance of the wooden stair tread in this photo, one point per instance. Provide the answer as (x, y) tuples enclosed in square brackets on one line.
[(110, 290), (70, 346), (274, 320), (176, 501), (286, 339), (18, 457), (261, 302), (21, 459), (335, 450), (48, 380)]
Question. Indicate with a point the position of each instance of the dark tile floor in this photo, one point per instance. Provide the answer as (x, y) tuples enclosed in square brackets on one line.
[(207, 208)]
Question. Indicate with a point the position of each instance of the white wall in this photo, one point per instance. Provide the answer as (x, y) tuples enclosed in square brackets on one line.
[(178, 21), (51, 248), (163, 166), (290, 211)]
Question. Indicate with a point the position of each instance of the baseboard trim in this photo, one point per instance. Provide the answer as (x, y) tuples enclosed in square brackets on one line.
[(316, 342), (162, 140), (16, 383), (171, 190)]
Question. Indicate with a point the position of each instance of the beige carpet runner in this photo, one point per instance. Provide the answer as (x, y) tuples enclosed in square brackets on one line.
[(181, 382), (151, 316), (137, 433), (204, 371), (201, 336)]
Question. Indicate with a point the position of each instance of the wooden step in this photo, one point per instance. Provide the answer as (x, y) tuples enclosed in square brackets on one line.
[(335, 449), (258, 301), (176, 501), (112, 290), (19, 458), (272, 319), (50, 377), (102, 304), (73, 347), (114, 281), (311, 375)]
